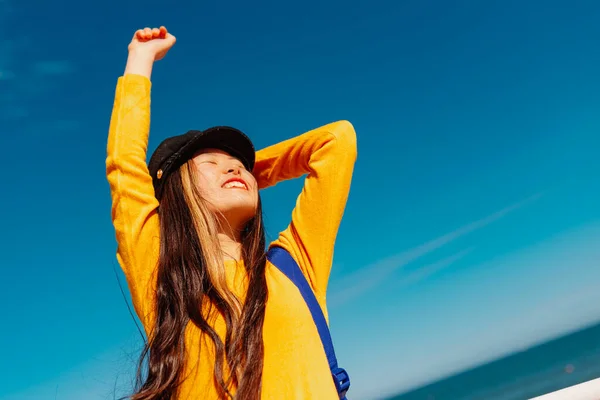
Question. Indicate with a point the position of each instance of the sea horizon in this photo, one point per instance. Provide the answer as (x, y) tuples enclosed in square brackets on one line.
[(567, 360)]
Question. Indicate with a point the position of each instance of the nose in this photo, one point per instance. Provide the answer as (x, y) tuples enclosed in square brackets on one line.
[(234, 169)]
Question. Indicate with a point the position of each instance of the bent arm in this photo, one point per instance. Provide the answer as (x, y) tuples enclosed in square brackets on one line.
[(327, 154)]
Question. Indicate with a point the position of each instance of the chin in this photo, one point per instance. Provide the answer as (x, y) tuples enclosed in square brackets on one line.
[(241, 211)]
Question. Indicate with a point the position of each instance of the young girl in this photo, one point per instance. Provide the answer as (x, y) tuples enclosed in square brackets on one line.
[(222, 320)]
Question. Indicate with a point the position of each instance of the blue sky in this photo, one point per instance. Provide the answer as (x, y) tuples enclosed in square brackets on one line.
[(472, 228)]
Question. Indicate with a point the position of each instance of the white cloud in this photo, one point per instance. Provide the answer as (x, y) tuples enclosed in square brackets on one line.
[(552, 290), (6, 75), (24, 77), (367, 278), (430, 269), (44, 68), (64, 125)]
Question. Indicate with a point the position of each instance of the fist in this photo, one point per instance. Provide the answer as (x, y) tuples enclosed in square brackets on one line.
[(155, 42)]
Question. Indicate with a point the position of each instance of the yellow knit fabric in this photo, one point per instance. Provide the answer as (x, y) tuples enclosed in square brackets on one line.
[(295, 365)]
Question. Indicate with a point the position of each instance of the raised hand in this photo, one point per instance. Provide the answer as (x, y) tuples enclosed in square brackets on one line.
[(156, 41), (146, 47)]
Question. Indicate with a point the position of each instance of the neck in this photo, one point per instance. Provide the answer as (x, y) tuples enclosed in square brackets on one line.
[(230, 240)]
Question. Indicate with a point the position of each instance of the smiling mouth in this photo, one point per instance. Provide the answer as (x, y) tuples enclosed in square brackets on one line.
[(235, 185)]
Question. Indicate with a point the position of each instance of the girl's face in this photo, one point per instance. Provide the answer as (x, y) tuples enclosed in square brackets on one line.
[(226, 185)]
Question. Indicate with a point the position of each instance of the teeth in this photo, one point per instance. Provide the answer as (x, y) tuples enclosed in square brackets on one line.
[(233, 184)]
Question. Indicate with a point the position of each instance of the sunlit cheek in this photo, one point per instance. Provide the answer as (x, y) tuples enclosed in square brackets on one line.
[(202, 189), (206, 185)]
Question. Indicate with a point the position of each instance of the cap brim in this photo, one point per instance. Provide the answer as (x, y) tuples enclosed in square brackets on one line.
[(230, 140)]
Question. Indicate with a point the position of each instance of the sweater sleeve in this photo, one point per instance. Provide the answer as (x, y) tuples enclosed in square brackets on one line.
[(327, 154), (134, 206)]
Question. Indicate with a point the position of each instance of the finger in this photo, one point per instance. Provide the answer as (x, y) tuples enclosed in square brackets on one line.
[(155, 32), (163, 32), (139, 34), (147, 33)]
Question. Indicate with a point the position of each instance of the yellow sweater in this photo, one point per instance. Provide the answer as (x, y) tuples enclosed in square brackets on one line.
[(295, 365)]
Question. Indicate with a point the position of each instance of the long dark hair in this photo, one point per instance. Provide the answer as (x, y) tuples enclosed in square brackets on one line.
[(191, 287)]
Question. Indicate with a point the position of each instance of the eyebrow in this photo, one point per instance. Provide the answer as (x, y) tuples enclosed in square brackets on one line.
[(229, 157)]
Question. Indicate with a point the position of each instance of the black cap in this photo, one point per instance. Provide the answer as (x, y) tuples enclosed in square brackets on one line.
[(174, 151)]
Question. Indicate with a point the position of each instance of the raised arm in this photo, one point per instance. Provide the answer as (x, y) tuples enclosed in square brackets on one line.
[(134, 205), (327, 154)]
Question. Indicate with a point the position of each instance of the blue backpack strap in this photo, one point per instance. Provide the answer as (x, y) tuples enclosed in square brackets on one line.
[(282, 259)]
